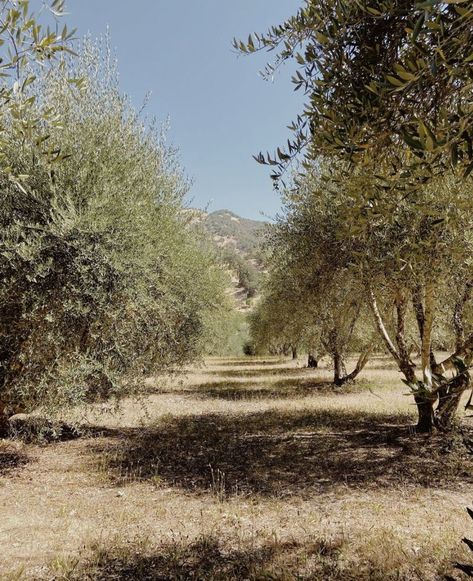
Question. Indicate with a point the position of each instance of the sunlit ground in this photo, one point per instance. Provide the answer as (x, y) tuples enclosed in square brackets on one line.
[(242, 469)]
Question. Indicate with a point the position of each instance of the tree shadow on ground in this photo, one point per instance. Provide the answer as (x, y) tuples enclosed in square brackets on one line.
[(283, 453), (258, 373), (248, 363), (209, 558), (259, 390), (11, 460)]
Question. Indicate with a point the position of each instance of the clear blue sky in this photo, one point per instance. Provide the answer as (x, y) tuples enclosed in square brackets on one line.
[(221, 111)]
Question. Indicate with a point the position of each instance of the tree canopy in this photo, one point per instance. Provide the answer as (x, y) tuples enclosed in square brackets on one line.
[(387, 124), (390, 81), (104, 281)]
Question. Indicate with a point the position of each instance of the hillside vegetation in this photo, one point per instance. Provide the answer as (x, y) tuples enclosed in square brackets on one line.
[(240, 246), (229, 229)]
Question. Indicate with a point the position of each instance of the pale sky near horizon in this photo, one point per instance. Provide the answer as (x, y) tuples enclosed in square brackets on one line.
[(221, 111)]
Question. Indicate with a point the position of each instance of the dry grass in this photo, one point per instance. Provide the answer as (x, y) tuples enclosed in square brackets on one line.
[(243, 469)]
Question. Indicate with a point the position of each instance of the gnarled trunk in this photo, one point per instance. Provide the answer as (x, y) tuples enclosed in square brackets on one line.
[(458, 315), (425, 411), (339, 369), (450, 394), (312, 362), (360, 364), (434, 386)]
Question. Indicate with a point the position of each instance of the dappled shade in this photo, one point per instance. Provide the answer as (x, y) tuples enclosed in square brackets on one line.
[(10, 460), (279, 389), (248, 362), (208, 558), (281, 454), (255, 374)]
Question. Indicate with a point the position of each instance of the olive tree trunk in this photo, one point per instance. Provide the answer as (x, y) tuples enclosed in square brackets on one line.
[(335, 344), (434, 387), (312, 361), (425, 414), (360, 364)]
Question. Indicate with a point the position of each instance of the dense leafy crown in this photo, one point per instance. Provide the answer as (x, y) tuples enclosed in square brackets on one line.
[(28, 46), (103, 280), (387, 80)]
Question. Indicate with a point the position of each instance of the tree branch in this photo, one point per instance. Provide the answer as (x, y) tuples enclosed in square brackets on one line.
[(464, 352), (426, 346), (382, 328)]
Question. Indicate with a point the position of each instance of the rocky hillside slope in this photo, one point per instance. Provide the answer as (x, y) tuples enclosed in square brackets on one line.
[(240, 245), (229, 229)]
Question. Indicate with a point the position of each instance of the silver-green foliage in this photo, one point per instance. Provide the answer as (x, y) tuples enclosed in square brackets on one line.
[(29, 46), (103, 280), (313, 296)]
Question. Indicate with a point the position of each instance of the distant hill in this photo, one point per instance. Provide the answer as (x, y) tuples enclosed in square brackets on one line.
[(229, 229), (239, 241)]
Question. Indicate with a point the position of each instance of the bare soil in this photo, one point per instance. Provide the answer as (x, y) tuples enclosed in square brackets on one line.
[(241, 469)]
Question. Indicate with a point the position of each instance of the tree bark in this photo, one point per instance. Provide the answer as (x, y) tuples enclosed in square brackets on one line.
[(425, 410), (449, 399), (463, 352), (426, 346), (405, 363), (312, 362), (339, 369), (294, 353), (360, 364), (382, 328), (458, 315), (420, 317)]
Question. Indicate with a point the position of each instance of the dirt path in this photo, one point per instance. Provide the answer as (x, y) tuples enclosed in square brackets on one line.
[(243, 468)]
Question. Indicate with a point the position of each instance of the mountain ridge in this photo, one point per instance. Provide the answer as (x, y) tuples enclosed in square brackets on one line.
[(239, 242), (228, 228)]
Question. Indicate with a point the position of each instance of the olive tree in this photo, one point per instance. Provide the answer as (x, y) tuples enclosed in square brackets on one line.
[(326, 294), (281, 323), (420, 257), (29, 47), (388, 83), (412, 269), (104, 279), (389, 90)]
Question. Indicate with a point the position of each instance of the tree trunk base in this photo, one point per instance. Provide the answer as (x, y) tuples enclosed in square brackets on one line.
[(312, 362), (341, 381), (424, 427), (425, 409)]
